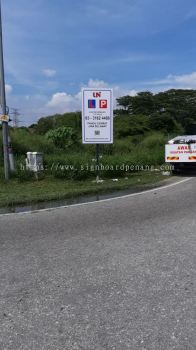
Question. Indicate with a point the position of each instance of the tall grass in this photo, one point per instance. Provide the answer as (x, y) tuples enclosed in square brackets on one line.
[(23, 142), (78, 162)]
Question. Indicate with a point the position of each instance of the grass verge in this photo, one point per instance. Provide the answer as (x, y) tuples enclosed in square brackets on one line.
[(15, 193)]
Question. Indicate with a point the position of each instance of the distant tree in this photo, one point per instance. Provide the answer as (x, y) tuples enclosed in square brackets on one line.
[(179, 104), (119, 111), (125, 102), (164, 122), (33, 126), (171, 109), (44, 125), (72, 120), (143, 103), (129, 125), (190, 126)]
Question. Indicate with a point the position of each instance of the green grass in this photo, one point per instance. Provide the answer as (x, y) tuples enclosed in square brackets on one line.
[(23, 141), (60, 182), (13, 192)]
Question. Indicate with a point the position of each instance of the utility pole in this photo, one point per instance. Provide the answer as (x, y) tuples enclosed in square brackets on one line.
[(3, 105)]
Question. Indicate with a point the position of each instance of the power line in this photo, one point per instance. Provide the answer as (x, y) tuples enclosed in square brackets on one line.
[(15, 117)]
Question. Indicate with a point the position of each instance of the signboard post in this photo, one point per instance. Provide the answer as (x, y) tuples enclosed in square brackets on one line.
[(97, 118)]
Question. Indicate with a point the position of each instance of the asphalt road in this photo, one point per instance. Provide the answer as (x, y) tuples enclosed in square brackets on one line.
[(113, 275)]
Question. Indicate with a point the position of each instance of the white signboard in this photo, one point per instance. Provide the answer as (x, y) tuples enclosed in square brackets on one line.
[(97, 116), (177, 153)]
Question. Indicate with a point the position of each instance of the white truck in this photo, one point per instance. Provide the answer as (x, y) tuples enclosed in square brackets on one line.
[(180, 152)]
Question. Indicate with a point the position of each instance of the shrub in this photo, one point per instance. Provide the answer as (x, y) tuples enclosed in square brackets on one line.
[(128, 125), (24, 175), (2, 176), (62, 137), (154, 140), (74, 167), (112, 166)]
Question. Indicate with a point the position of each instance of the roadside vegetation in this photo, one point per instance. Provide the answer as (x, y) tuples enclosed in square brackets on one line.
[(142, 125), (19, 193)]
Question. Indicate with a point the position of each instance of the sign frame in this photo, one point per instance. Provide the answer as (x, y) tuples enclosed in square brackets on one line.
[(90, 109)]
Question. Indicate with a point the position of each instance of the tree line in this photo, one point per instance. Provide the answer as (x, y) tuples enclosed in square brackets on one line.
[(169, 110), (172, 111)]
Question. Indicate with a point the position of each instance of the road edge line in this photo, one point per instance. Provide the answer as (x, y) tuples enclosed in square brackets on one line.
[(101, 200)]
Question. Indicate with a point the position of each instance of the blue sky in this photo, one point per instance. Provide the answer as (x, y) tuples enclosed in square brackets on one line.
[(53, 48)]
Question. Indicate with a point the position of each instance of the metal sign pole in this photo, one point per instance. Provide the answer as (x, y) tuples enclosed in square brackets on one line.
[(3, 105), (97, 162)]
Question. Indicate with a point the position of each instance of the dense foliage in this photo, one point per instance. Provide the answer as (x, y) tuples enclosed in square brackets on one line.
[(72, 120), (142, 124), (171, 111), (62, 137)]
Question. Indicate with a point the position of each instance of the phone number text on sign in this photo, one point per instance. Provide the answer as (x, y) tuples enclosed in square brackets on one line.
[(97, 116)]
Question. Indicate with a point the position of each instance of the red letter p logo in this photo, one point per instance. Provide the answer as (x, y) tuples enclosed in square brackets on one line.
[(103, 104)]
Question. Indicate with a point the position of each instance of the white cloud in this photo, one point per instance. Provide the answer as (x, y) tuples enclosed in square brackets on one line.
[(117, 90), (61, 102), (97, 84), (30, 106), (33, 107), (184, 81), (49, 73), (8, 88), (132, 92)]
